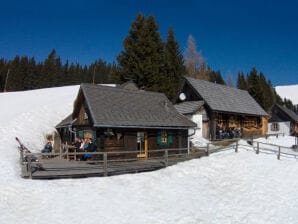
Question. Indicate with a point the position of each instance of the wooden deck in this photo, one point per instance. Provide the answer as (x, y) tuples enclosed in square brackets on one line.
[(106, 164)]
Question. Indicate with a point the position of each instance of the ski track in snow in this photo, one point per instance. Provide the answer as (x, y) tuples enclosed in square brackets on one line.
[(226, 187)]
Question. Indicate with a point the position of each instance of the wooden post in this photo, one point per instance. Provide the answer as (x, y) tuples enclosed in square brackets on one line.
[(60, 152), (166, 157), (236, 149), (258, 148), (207, 150), (66, 146), (278, 155), (105, 164), (21, 156), (29, 168)]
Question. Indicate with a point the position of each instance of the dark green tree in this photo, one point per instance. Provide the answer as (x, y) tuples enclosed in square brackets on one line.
[(215, 76), (241, 81), (254, 87), (174, 68), (142, 59)]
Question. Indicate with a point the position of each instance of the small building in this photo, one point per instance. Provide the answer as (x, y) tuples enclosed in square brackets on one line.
[(221, 111), (125, 119), (282, 120)]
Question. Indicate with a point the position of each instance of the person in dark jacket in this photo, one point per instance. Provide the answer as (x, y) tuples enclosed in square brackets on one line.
[(90, 148), (47, 148)]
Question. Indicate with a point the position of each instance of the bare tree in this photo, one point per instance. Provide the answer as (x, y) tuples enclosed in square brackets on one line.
[(193, 60), (230, 81)]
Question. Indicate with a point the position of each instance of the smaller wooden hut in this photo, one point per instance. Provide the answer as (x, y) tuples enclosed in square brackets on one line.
[(125, 119), (282, 120), (221, 111)]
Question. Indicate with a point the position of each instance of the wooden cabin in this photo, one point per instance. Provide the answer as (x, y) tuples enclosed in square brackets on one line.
[(282, 120), (221, 111), (125, 119)]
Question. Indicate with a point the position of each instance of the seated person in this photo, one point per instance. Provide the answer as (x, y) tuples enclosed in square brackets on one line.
[(90, 148), (77, 143), (47, 148)]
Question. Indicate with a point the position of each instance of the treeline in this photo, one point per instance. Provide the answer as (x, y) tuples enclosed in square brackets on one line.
[(261, 90), (24, 73), (153, 64)]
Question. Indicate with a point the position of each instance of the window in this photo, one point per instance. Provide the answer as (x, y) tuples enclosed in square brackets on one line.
[(275, 127), (85, 116), (164, 137)]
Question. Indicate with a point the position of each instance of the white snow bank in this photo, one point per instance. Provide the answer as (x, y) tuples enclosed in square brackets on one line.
[(226, 187), (289, 92)]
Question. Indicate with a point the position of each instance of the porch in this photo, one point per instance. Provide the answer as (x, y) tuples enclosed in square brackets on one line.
[(57, 165)]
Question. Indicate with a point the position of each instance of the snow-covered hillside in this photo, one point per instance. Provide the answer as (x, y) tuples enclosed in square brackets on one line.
[(289, 92), (226, 187)]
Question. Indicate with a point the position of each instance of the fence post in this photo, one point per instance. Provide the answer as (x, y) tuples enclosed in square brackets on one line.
[(236, 149), (258, 148), (166, 157), (29, 168), (105, 164), (278, 155), (207, 150), (21, 156), (67, 156), (60, 151)]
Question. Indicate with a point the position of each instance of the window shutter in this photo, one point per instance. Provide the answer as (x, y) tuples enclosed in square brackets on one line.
[(159, 138)]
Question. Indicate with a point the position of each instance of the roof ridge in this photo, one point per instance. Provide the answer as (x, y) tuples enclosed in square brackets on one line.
[(215, 84), (122, 90)]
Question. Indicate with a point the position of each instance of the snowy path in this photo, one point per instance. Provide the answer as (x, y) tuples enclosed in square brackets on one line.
[(226, 187)]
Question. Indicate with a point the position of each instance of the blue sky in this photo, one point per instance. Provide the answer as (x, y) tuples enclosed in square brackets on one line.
[(232, 35)]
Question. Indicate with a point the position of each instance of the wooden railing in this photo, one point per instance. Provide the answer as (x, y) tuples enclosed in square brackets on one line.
[(165, 157)]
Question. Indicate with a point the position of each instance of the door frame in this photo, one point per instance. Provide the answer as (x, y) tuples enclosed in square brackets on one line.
[(145, 153)]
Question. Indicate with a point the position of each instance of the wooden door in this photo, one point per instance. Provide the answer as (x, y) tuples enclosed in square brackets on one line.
[(142, 144)]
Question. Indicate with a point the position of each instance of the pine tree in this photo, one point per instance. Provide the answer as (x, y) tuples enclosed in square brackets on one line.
[(241, 81), (49, 70), (174, 67), (142, 59), (215, 77), (254, 87)]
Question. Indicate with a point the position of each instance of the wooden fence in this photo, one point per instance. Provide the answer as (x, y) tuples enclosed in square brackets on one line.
[(57, 165)]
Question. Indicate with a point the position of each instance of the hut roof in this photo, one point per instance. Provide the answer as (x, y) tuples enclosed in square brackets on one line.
[(117, 107), (290, 115), (65, 122), (223, 98), (189, 107)]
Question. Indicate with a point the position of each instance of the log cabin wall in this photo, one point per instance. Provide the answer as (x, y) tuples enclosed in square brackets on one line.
[(126, 139), (249, 125)]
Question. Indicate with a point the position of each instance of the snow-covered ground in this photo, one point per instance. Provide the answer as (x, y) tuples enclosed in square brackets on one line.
[(289, 92), (226, 187)]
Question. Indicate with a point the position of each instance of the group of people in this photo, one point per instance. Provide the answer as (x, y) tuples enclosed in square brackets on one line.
[(80, 144), (228, 133), (84, 145)]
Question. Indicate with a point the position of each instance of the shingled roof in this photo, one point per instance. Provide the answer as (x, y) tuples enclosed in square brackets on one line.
[(116, 107), (65, 122), (291, 114), (188, 107), (223, 98)]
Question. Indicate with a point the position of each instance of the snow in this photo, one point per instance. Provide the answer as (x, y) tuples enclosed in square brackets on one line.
[(226, 187), (289, 92)]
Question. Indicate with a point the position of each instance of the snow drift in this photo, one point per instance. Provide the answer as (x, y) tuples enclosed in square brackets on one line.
[(289, 92), (226, 187)]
